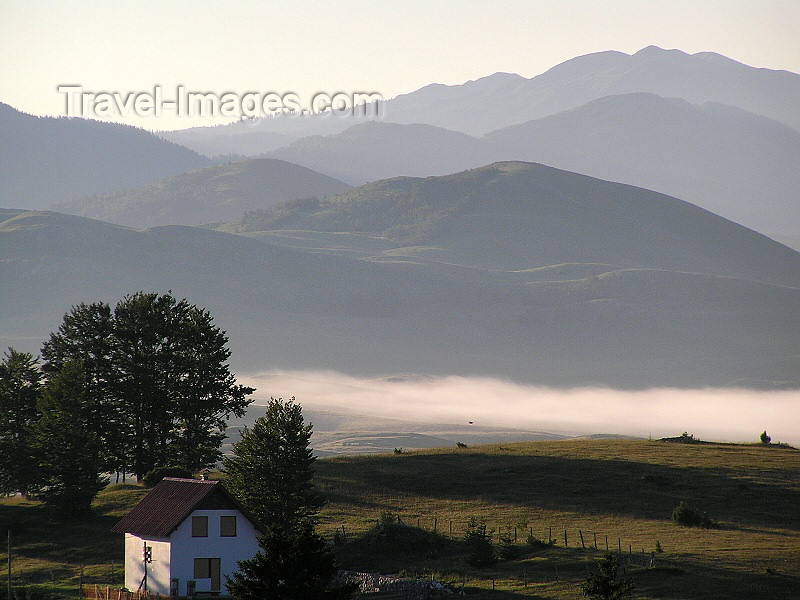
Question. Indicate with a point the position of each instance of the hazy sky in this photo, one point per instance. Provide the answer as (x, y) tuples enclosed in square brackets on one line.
[(353, 45)]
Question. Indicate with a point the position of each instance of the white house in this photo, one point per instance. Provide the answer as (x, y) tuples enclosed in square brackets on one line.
[(184, 536)]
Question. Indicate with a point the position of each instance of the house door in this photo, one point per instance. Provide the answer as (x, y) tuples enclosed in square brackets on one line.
[(209, 568), (214, 568)]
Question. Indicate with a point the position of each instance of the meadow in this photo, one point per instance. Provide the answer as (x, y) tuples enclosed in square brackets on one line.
[(619, 493)]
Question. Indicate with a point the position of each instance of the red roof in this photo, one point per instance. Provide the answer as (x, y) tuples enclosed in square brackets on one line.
[(171, 502)]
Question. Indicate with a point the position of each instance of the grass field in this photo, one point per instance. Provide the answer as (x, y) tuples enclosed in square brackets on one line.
[(615, 490)]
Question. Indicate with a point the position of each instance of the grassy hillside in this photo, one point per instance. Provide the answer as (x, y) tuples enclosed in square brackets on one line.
[(733, 163), (210, 195), (625, 490), (517, 215), (622, 490), (514, 270)]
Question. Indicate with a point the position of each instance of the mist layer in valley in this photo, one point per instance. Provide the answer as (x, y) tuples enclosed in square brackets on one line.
[(354, 414)]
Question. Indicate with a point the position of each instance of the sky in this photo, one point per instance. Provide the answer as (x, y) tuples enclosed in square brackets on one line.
[(351, 46)]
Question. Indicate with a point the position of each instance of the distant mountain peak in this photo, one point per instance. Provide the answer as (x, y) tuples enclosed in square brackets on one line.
[(653, 50)]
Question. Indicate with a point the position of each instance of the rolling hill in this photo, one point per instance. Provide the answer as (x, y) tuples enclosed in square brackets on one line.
[(512, 270), (47, 160), (734, 163), (726, 160), (219, 193), (377, 150)]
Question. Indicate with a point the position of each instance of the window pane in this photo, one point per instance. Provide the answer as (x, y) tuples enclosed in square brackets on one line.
[(202, 568), (199, 526), (227, 526)]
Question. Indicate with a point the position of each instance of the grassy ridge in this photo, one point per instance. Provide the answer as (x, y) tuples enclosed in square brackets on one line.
[(625, 490)]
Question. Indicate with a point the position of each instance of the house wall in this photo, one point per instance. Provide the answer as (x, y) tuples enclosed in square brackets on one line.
[(185, 548), (158, 571)]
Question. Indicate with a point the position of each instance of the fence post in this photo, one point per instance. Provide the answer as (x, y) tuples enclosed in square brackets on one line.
[(565, 538), (606, 543), (435, 523), (582, 544), (619, 545)]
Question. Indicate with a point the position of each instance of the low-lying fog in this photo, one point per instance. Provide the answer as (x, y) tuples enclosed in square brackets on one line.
[(711, 414)]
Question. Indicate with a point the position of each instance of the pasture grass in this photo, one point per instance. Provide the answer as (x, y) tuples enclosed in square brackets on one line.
[(622, 491)]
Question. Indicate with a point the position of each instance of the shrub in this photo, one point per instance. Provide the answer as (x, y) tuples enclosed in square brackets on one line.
[(388, 518), (607, 585), (27, 593), (461, 445), (507, 549), (151, 478), (479, 544), (765, 439), (691, 517), (537, 543)]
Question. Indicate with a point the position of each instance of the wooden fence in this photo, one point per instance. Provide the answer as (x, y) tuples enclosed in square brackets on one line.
[(105, 592)]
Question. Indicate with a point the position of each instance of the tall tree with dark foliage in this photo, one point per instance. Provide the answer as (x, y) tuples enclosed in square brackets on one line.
[(159, 388), (20, 388)]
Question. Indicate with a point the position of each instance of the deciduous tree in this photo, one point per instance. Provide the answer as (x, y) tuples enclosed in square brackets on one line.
[(159, 389)]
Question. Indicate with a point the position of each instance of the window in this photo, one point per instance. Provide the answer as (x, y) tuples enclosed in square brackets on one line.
[(202, 568), (227, 526), (208, 568), (199, 526)]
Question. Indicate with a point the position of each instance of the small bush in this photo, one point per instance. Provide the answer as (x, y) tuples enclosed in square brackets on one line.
[(537, 543), (607, 585), (151, 478), (461, 445), (28, 593), (765, 439), (479, 544), (388, 518), (507, 549), (691, 517)]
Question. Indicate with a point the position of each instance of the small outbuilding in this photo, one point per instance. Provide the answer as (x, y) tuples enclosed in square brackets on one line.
[(184, 537)]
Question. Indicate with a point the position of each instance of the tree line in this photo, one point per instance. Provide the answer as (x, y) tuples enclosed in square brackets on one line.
[(146, 384)]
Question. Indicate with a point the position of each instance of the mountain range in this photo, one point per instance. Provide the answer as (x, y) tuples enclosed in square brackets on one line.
[(459, 252), (512, 270), (496, 101), (701, 127)]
